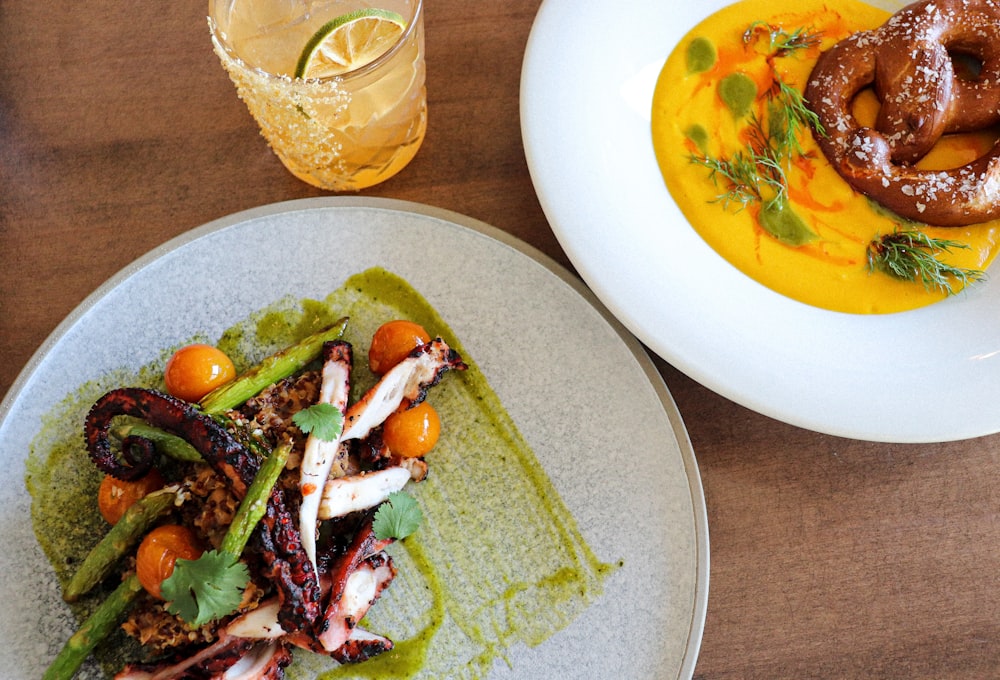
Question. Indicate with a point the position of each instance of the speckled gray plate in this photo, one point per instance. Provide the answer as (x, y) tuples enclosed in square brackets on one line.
[(549, 350)]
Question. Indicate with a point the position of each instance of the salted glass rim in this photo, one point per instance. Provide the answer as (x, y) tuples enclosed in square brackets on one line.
[(223, 42)]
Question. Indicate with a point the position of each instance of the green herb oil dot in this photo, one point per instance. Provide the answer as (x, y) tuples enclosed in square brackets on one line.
[(701, 55), (699, 135), (737, 92)]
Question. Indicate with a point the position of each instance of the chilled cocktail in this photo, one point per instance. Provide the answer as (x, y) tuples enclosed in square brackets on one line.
[(337, 87)]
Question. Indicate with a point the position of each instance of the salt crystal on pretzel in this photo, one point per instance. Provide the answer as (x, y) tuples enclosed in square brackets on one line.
[(909, 63)]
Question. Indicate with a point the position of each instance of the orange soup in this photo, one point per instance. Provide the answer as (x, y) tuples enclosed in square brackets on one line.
[(712, 96)]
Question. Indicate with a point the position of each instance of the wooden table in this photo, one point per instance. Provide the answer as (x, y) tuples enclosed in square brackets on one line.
[(830, 558)]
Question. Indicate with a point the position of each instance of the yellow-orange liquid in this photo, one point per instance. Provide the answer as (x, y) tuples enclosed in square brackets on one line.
[(342, 133), (830, 270)]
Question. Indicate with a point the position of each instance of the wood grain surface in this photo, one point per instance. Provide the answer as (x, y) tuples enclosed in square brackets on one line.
[(830, 558)]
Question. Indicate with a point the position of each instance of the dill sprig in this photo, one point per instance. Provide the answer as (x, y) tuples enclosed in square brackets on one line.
[(788, 117), (751, 176), (756, 174), (780, 41), (912, 255)]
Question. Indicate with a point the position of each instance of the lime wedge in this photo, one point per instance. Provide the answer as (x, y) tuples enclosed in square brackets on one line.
[(348, 42)]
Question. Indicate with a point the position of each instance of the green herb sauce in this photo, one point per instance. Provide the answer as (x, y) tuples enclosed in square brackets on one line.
[(701, 55), (737, 91), (699, 135), (498, 561), (781, 221)]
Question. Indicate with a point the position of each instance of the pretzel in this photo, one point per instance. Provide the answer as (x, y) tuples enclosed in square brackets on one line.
[(909, 63)]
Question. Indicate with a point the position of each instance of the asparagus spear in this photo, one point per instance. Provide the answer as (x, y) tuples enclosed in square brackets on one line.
[(138, 518), (100, 624), (230, 395), (168, 444), (212, 586), (270, 370), (145, 511), (254, 504), (122, 536), (97, 627)]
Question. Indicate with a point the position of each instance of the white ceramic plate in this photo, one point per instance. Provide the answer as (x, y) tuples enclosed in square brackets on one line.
[(586, 91), (545, 344)]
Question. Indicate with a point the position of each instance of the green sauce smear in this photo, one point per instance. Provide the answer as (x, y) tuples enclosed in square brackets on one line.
[(498, 561), (781, 221)]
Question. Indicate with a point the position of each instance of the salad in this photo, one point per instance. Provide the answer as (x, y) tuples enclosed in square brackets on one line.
[(250, 513), (485, 572)]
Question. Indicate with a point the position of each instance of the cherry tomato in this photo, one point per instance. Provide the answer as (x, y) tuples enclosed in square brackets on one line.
[(159, 550), (115, 496), (392, 342), (412, 432), (195, 370)]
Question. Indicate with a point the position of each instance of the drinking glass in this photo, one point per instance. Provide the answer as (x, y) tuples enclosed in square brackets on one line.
[(340, 133)]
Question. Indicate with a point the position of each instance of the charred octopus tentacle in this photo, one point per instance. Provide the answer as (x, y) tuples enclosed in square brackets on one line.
[(228, 657), (218, 447), (281, 546), (344, 610), (288, 566)]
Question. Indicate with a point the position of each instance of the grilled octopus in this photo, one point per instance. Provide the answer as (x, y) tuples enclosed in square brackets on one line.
[(287, 565), (230, 657), (317, 607), (257, 641), (278, 535), (218, 446)]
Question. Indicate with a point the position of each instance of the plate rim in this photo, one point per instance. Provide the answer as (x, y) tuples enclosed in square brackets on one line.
[(694, 485), (732, 305)]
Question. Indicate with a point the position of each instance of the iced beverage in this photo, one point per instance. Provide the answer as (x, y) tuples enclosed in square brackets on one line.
[(335, 124)]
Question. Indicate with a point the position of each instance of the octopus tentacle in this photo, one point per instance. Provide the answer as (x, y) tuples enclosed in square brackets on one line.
[(139, 452), (216, 445), (320, 455), (286, 563), (288, 566), (229, 657), (360, 646), (408, 380), (343, 610)]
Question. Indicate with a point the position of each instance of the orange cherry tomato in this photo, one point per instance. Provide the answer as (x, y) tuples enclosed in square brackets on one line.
[(392, 342), (115, 496), (195, 370), (412, 432), (159, 550)]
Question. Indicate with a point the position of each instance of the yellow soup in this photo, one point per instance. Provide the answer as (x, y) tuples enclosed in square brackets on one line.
[(714, 86)]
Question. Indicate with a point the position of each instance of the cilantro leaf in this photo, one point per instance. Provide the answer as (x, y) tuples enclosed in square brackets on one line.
[(207, 588), (398, 517), (322, 420)]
